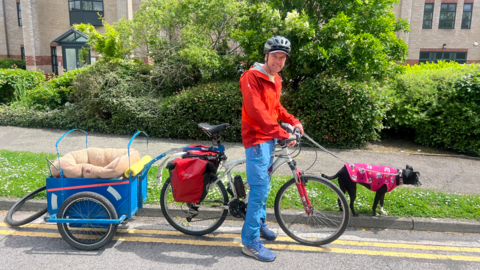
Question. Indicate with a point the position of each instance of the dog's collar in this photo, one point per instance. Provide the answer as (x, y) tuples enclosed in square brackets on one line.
[(400, 177)]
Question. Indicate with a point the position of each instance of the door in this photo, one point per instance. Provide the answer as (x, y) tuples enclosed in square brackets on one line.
[(72, 59)]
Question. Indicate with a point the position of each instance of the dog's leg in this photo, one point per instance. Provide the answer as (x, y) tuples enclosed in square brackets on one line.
[(352, 193), (344, 190), (382, 210), (378, 196)]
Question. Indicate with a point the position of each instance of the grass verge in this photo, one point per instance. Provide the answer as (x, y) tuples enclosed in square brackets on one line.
[(23, 172)]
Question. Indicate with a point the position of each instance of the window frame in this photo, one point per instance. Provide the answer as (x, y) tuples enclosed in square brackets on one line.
[(425, 12), (471, 13), (22, 53), (53, 52), (432, 57), (447, 20), (82, 15), (19, 15)]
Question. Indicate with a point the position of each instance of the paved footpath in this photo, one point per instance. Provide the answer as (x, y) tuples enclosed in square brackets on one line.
[(442, 173)]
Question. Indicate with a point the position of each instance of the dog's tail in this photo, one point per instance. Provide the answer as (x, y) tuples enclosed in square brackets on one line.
[(330, 177)]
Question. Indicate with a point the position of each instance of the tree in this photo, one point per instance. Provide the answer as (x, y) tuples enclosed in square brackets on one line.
[(351, 38)]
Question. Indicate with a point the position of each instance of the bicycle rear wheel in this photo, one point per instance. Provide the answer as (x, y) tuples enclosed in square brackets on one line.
[(210, 212), (325, 224)]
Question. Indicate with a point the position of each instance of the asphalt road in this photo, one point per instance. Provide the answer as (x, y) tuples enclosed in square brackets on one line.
[(149, 243), (447, 174)]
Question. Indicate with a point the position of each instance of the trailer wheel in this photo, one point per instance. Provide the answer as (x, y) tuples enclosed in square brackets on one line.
[(87, 205)]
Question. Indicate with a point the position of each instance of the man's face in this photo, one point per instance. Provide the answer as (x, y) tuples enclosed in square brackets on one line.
[(276, 61)]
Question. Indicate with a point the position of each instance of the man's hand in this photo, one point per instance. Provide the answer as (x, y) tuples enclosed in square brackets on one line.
[(299, 126), (292, 143)]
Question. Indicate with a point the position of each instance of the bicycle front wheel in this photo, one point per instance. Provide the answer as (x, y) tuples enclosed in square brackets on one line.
[(325, 224), (195, 219)]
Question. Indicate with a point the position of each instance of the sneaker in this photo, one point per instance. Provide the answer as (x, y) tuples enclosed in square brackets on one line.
[(259, 252), (266, 233)]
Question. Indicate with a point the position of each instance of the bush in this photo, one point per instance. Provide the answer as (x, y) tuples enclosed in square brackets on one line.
[(421, 88), (338, 113), (10, 77), (116, 111), (213, 103), (12, 63), (441, 103), (55, 92)]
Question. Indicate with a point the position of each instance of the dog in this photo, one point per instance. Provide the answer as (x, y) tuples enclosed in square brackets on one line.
[(380, 179)]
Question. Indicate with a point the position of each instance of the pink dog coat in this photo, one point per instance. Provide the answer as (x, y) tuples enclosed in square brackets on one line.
[(375, 176)]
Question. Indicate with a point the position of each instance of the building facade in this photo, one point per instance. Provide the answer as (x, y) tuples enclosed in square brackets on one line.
[(441, 30), (40, 31)]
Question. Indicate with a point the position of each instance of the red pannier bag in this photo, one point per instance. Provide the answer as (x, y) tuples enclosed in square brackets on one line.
[(211, 156), (190, 178)]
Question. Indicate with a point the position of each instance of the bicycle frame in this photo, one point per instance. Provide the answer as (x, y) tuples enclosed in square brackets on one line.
[(282, 157)]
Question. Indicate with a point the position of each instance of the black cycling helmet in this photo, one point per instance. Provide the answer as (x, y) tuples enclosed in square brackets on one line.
[(277, 43)]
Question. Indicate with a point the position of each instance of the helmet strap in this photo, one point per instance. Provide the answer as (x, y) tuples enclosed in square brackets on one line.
[(269, 69)]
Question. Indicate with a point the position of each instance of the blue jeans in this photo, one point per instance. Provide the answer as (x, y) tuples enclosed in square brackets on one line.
[(259, 159)]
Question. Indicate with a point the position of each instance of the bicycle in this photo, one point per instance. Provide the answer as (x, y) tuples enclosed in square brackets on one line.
[(306, 207)]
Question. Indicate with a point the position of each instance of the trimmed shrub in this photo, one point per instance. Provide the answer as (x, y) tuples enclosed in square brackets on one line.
[(422, 88), (441, 105), (338, 113), (55, 92), (213, 103), (175, 117), (12, 63), (10, 77)]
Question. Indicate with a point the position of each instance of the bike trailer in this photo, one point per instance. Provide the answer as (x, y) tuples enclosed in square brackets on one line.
[(127, 193)]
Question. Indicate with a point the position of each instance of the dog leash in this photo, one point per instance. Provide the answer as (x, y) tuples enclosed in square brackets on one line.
[(344, 162)]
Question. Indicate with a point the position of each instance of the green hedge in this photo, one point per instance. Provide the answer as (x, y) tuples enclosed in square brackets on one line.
[(55, 92), (336, 112), (441, 103), (10, 77), (12, 63), (213, 103), (174, 117), (339, 113)]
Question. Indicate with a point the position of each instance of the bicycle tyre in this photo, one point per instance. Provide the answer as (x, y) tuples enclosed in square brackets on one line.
[(9, 218), (83, 236), (180, 222), (325, 224)]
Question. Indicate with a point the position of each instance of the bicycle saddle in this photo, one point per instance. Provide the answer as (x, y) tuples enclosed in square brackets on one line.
[(213, 129)]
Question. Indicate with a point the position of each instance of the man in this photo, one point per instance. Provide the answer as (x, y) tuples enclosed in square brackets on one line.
[(261, 89)]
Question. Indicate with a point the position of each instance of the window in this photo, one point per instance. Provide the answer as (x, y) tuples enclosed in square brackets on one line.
[(22, 53), (19, 13), (467, 16), (447, 16), (460, 57), (427, 16), (54, 60), (83, 11)]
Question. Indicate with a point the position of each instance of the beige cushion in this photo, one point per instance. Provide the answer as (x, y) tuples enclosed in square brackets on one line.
[(95, 163)]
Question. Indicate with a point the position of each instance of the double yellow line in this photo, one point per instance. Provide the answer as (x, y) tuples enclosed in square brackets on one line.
[(288, 247)]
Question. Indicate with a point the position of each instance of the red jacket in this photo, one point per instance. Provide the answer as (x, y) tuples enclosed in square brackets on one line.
[(261, 108)]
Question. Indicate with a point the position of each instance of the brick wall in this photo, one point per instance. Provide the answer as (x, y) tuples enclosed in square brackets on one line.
[(14, 32), (433, 39)]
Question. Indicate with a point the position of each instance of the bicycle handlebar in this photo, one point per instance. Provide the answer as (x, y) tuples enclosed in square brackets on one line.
[(290, 130)]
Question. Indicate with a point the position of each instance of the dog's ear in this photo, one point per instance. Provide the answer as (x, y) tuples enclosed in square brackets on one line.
[(408, 167), (407, 173)]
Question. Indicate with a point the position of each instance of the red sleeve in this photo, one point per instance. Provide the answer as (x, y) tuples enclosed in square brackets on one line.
[(256, 110), (284, 116)]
